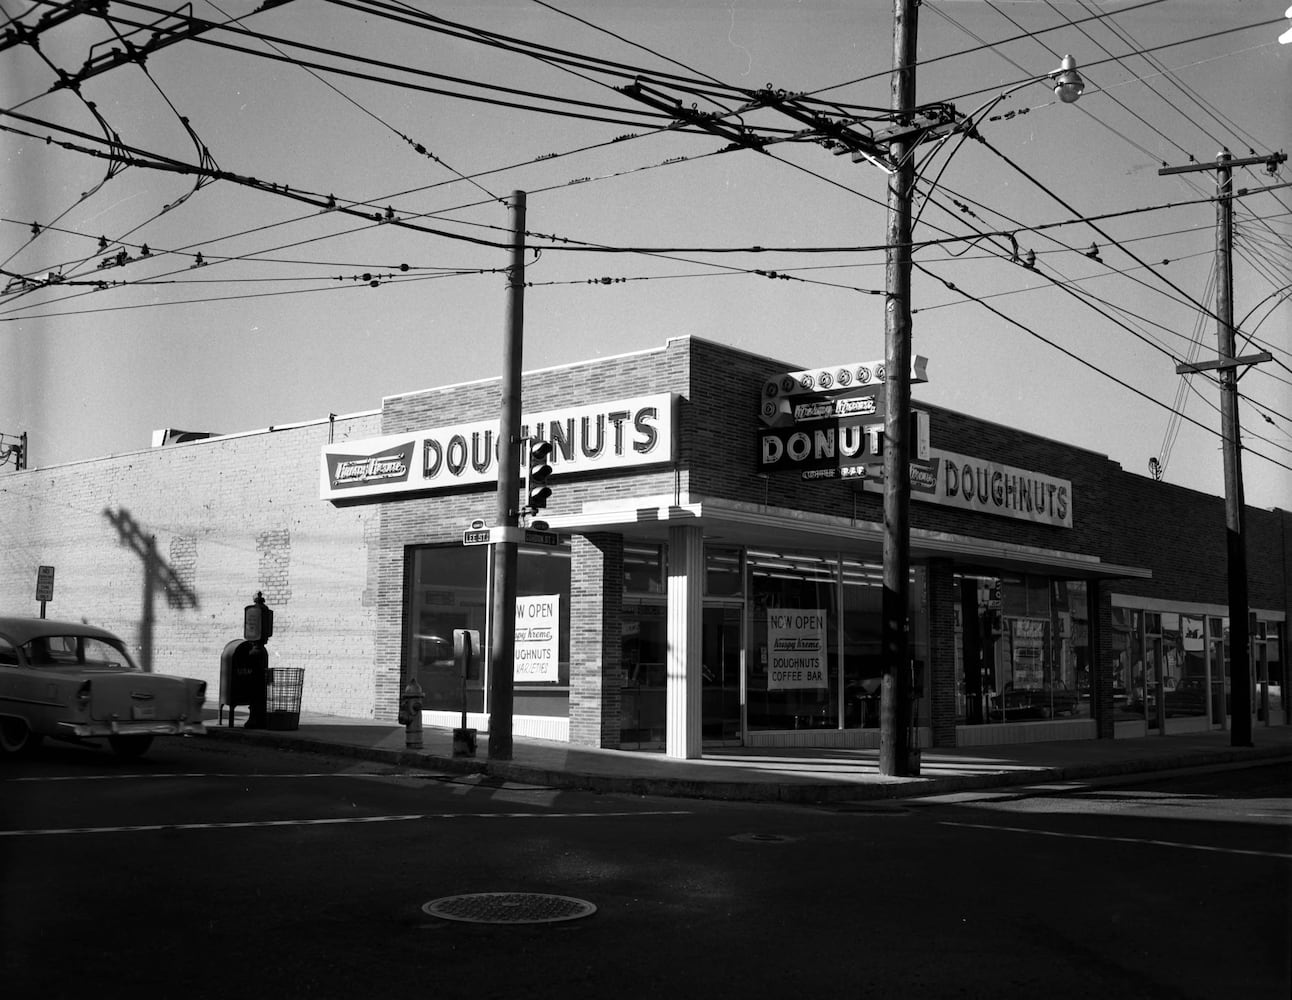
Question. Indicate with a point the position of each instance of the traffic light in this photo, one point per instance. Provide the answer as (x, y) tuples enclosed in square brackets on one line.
[(537, 471)]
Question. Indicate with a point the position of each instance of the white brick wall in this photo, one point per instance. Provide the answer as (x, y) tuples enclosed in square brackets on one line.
[(167, 546)]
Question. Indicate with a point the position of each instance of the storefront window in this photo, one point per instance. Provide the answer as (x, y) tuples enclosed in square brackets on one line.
[(1024, 649), (793, 670), (644, 569), (813, 617), (723, 575), (863, 666), (1184, 671), (1127, 662), (448, 590), (645, 672), (1218, 641), (1072, 625), (1186, 686), (1275, 679), (541, 667)]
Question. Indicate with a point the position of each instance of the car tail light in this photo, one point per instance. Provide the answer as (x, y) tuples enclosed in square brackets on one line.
[(83, 695), (199, 696)]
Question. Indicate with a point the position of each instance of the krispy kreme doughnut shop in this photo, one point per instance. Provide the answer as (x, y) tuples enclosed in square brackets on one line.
[(709, 566)]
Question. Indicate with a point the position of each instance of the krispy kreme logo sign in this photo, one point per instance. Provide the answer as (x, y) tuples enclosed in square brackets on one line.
[(827, 409), (389, 466), (851, 390), (619, 434)]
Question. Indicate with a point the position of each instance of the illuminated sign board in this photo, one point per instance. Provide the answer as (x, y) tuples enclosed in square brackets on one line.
[(807, 394)]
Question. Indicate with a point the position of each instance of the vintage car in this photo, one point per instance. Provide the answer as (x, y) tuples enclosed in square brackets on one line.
[(75, 682)]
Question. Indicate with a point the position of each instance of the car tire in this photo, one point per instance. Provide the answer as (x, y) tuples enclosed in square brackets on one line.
[(130, 747), (16, 736)]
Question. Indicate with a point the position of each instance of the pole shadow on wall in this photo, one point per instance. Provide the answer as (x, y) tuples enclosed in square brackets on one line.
[(159, 575)]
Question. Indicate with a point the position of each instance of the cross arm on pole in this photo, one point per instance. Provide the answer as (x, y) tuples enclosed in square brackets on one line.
[(1272, 160), (1244, 361), (709, 122)]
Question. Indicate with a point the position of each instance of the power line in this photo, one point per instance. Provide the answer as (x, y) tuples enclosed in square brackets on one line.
[(1081, 360)]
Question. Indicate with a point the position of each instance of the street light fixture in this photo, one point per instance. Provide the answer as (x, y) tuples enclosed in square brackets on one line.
[(896, 756), (1068, 85)]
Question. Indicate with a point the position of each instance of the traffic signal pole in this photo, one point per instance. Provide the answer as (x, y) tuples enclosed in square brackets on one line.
[(1240, 734), (502, 643)]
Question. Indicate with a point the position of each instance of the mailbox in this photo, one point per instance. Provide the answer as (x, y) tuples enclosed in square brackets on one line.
[(244, 673)]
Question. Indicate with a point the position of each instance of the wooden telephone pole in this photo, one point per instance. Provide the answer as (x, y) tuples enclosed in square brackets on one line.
[(502, 645), (895, 692), (1227, 364)]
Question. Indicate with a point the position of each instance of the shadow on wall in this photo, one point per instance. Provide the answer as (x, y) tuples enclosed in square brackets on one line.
[(159, 576)]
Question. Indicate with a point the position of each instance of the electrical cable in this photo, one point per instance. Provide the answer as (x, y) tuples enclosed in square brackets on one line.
[(1083, 361), (377, 118), (1171, 77)]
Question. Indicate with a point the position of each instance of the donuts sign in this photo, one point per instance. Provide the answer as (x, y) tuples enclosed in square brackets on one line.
[(613, 435)]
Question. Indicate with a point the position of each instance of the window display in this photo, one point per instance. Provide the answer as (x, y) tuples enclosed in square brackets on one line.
[(1023, 650), (448, 589)]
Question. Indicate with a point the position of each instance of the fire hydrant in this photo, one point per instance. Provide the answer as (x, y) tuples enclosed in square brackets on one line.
[(410, 714)]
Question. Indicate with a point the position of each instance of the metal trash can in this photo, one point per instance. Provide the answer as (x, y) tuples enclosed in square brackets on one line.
[(283, 698)]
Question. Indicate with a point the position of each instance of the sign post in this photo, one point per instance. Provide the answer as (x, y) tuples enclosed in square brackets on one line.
[(44, 586)]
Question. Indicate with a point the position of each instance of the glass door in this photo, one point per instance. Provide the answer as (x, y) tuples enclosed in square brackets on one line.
[(1155, 706), (721, 651), (1218, 640), (644, 684)]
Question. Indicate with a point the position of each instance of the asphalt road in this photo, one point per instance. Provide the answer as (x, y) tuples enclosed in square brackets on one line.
[(211, 869)]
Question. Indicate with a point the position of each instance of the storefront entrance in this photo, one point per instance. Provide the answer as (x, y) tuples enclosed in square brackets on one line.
[(721, 646)]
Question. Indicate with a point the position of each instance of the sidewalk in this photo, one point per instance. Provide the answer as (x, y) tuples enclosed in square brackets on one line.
[(790, 774)]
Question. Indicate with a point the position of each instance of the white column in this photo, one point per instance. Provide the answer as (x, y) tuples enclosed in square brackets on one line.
[(685, 613)]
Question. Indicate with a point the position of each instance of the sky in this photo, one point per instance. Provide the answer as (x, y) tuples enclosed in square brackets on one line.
[(640, 227)]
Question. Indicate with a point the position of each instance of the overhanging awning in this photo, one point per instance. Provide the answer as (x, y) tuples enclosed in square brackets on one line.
[(733, 523)]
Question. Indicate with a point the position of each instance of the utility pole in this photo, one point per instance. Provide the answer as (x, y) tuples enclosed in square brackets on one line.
[(895, 692), (502, 643), (1239, 640), (891, 148)]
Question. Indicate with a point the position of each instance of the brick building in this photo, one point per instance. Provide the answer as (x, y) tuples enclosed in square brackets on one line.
[(716, 574)]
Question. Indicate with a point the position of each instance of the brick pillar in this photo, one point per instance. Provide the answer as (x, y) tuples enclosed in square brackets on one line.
[(596, 645), (1100, 610), (943, 598)]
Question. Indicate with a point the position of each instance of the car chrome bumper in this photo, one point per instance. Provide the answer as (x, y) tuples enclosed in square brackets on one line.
[(150, 728)]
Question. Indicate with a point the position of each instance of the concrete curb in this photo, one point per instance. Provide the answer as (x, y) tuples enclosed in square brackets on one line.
[(735, 790)]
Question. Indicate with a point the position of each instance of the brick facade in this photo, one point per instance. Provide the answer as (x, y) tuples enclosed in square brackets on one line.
[(596, 646)]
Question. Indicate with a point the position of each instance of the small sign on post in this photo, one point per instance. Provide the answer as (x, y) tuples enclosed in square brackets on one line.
[(44, 586)]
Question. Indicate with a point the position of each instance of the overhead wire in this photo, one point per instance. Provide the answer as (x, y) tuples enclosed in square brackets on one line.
[(1124, 35), (1161, 47), (1085, 362), (1172, 431), (375, 117)]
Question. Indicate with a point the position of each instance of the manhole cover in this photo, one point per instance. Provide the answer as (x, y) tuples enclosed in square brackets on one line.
[(509, 908)]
